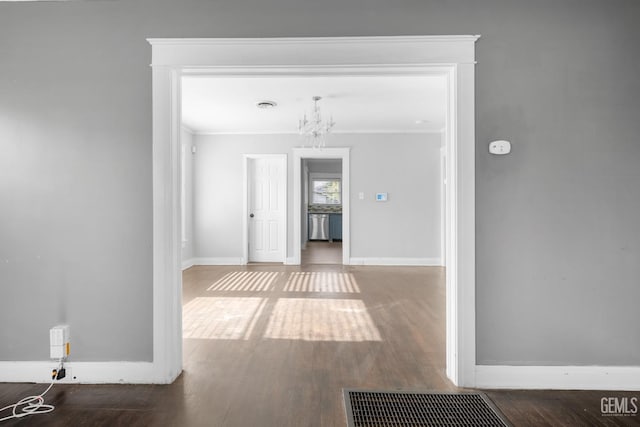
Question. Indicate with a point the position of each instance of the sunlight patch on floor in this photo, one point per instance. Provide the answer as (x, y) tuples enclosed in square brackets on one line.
[(221, 318), (321, 281), (246, 281), (321, 320)]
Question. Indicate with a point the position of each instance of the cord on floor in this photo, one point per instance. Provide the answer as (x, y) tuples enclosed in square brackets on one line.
[(32, 405)]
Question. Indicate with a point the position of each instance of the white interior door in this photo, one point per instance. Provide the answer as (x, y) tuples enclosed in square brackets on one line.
[(267, 209)]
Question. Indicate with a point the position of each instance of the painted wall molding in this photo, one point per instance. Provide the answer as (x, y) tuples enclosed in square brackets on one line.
[(559, 377), (82, 372), (219, 261), (424, 262), (389, 261)]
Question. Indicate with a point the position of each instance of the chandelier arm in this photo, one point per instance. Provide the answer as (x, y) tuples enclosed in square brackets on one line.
[(314, 129)]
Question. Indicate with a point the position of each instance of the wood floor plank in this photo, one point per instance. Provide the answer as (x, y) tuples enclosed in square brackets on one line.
[(261, 378)]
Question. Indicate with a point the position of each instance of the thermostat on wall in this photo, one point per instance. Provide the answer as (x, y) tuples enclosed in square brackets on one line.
[(500, 147), (381, 197)]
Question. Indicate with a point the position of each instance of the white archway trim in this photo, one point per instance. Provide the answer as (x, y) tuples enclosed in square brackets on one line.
[(453, 55)]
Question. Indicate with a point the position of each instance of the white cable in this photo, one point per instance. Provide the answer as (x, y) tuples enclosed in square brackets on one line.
[(30, 405)]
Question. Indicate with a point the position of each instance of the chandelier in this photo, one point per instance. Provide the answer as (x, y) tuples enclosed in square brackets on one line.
[(314, 129)]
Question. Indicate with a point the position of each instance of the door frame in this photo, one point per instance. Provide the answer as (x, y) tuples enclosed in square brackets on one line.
[(245, 203), (453, 56), (325, 153)]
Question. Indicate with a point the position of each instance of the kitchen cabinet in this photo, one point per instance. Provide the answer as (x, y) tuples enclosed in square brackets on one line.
[(335, 226)]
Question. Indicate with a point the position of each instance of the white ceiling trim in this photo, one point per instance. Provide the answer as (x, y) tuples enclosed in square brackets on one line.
[(279, 41), (350, 132), (281, 53)]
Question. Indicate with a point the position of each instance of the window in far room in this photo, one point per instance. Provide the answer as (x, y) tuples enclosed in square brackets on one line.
[(326, 191)]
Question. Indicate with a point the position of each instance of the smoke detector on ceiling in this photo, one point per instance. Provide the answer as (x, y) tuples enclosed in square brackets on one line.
[(265, 105)]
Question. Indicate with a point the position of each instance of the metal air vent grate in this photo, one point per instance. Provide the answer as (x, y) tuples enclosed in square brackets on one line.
[(405, 409)]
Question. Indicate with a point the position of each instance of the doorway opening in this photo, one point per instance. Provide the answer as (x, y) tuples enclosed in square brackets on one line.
[(452, 56), (318, 226), (322, 205)]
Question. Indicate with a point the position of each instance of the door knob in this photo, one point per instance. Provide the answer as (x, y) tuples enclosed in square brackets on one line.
[(250, 215)]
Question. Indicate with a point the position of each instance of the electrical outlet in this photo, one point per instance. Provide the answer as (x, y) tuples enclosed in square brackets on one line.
[(63, 375), (62, 372)]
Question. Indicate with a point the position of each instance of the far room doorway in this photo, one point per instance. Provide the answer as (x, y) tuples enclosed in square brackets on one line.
[(321, 211)]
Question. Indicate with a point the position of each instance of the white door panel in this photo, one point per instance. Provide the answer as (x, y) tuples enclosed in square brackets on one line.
[(266, 177)]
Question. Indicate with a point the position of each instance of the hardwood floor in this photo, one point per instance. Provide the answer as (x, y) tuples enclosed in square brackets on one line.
[(321, 252), (268, 345)]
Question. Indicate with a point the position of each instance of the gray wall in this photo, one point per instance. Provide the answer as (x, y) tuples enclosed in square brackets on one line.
[(405, 166), (324, 165), (557, 232)]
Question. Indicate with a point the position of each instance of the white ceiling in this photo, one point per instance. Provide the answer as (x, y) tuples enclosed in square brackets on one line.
[(367, 104)]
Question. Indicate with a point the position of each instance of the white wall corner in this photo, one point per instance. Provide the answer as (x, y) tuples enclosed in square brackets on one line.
[(558, 377), (290, 261), (188, 263)]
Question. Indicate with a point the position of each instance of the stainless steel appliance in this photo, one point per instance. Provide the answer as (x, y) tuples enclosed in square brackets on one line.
[(318, 226)]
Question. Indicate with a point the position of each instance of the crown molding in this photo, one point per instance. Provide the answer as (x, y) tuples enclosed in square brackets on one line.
[(280, 55), (311, 40), (349, 132)]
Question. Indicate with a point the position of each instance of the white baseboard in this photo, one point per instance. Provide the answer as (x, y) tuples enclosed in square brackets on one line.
[(188, 263), (425, 262), (218, 261), (83, 372), (559, 377)]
